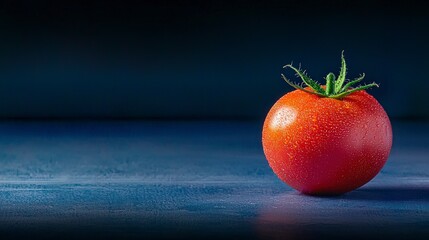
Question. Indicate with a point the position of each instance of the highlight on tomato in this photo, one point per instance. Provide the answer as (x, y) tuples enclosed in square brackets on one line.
[(327, 139)]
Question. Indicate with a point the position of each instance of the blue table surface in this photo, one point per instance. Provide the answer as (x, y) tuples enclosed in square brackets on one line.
[(131, 179)]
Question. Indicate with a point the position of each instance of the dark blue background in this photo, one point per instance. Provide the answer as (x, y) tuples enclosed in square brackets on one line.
[(202, 59), (183, 59)]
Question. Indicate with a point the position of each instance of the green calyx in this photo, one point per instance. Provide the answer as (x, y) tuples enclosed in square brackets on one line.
[(336, 88)]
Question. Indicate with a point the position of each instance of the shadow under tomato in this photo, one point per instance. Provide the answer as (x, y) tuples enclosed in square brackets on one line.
[(390, 193), (367, 213)]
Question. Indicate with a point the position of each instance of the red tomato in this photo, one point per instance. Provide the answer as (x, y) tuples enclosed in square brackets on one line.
[(325, 146)]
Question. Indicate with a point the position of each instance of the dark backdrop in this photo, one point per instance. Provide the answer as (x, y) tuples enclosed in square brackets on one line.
[(202, 59)]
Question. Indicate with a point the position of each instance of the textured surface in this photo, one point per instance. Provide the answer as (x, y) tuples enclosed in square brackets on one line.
[(191, 179)]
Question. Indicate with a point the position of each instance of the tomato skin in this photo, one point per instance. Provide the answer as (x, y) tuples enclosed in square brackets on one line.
[(325, 146)]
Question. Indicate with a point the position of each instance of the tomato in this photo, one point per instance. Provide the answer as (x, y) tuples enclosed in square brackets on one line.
[(322, 144)]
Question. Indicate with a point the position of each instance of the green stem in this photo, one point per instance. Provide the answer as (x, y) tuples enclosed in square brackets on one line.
[(346, 93), (334, 88), (330, 81), (299, 87), (306, 79), (342, 77), (351, 83)]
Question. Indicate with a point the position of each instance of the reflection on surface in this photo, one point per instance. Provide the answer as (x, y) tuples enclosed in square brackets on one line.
[(278, 221), (295, 216), (401, 193)]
